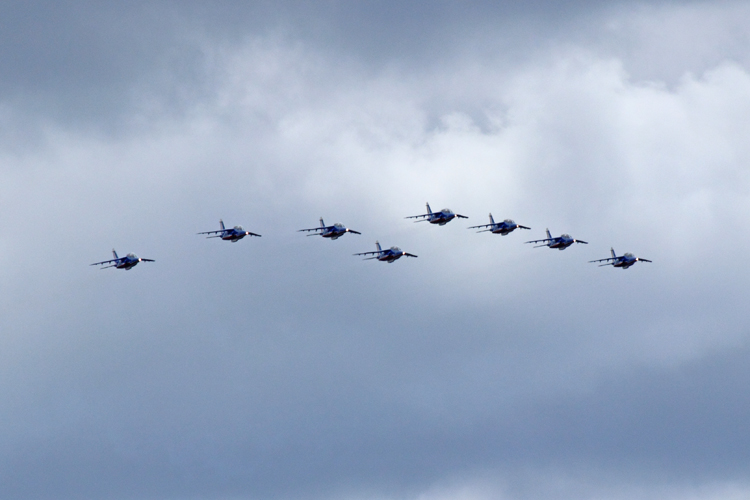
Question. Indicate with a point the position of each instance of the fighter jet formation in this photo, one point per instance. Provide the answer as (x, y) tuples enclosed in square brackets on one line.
[(394, 253)]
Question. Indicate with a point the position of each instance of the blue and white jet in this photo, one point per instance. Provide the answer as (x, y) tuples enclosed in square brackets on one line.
[(336, 231), (623, 261), (390, 255), (560, 242), (128, 262), (440, 218), (505, 227), (234, 234)]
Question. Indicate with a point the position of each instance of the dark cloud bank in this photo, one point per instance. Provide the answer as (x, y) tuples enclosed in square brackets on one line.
[(285, 368)]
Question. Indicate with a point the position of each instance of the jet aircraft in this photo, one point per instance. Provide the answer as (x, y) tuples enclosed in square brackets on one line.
[(624, 261), (560, 242), (505, 227), (128, 262), (234, 235), (440, 218), (390, 255), (336, 231)]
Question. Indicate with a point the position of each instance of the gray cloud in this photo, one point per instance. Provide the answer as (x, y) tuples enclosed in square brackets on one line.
[(285, 367), (82, 62)]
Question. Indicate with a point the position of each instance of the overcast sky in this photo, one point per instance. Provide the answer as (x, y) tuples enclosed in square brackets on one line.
[(283, 367)]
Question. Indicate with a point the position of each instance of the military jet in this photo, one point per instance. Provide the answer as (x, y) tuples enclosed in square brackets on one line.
[(128, 262), (440, 218), (234, 235), (560, 242), (505, 227), (336, 231), (389, 256), (623, 261)]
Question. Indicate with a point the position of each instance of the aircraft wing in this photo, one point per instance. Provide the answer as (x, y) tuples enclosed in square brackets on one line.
[(477, 227), (409, 254), (417, 216), (148, 260), (315, 229), (523, 227), (604, 260), (211, 232), (370, 253), (545, 240), (252, 234), (642, 260), (353, 231), (461, 216), (105, 262)]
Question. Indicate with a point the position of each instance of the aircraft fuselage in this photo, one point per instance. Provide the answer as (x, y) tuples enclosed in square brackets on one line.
[(390, 257), (503, 229), (441, 218), (560, 243), (128, 262), (333, 234), (233, 236), (624, 263)]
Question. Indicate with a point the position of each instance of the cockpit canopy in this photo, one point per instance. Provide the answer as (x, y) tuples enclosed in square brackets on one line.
[(629, 255), (509, 221), (131, 255), (396, 249), (447, 211), (339, 225), (565, 235), (238, 228)]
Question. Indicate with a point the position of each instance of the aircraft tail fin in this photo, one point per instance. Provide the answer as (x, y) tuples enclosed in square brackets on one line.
[(429, 210), (492, 220), (322, 224), (115, 254), (377, 244), (613, 252), (548, 234), (221, 223)]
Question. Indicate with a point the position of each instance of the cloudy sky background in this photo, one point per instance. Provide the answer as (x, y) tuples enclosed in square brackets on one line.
[(283, 367)]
